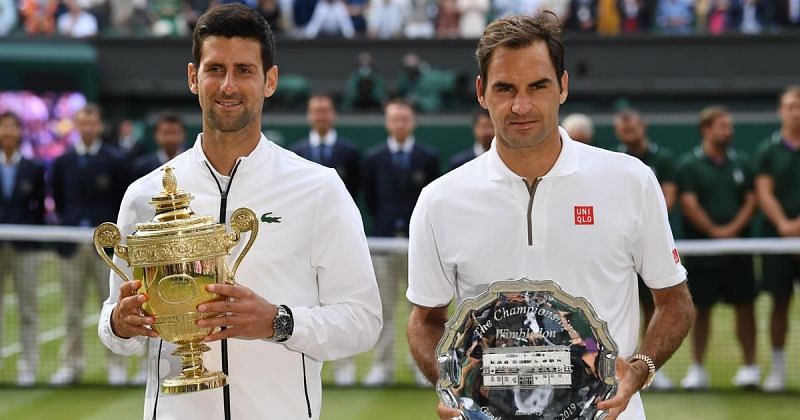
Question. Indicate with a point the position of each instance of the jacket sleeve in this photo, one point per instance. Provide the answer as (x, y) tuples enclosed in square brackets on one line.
[(126, 224), (347, 319)]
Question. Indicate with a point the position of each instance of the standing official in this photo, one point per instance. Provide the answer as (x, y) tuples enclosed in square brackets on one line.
[(482, 133), (170, 136)]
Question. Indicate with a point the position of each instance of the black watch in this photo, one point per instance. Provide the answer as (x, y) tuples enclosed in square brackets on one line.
[(283, 324)]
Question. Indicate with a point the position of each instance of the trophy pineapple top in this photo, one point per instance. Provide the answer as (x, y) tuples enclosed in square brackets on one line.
[(171, 203)]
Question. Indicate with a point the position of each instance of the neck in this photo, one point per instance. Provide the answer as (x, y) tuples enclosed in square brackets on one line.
[(792, 135), (639, 147), (531, 162), (713, 151), (87, 142), (8, 154), (323, 132), (223, 149)]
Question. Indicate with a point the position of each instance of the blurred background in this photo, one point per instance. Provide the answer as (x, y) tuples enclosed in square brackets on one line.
[(661, 61)]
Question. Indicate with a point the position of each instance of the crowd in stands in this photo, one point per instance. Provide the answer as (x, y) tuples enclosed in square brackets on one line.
[(387, 19)]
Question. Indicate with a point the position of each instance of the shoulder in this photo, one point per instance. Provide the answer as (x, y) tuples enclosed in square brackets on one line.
[(424, 149), (301, 144), (686, 160), (376, 151), (471, 177)]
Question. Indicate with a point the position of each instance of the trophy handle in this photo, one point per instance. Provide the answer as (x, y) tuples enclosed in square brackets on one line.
[(242, 220), (107, 236)]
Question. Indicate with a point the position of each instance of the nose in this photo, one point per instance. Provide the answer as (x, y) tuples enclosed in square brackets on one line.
[(229, 84), (521, 105)]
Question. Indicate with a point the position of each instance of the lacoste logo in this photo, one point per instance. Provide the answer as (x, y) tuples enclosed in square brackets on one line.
[(270, 219)]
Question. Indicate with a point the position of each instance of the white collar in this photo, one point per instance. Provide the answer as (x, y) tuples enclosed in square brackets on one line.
[(315, 139), (567, 162), (15, 158), (256, 158), (92, 150), (395, 147)]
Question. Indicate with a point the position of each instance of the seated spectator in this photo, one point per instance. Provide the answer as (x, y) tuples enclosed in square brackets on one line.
[(751, 16), (365, 89), (635, 15), (473, 17), (420, 23), (8, 17), (167, 18), (330, 19), (579, 127), (787, 13), (193, 9), (387, 18), (302, 10), (719, 17), (129, 16), (357, 10), (448, 19), (76, 22), (675, 16), (271, 10), (39, 16)]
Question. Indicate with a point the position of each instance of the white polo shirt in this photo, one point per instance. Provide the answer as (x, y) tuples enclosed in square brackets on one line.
[(596, 220)]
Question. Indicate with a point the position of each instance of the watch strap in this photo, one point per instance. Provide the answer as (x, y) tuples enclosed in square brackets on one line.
[(651, 367)]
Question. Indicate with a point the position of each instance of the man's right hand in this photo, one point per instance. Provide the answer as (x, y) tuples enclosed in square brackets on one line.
[(127, 318), (447, 413)]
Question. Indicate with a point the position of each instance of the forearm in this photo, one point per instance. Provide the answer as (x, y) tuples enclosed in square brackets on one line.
[(334, 331), (744, 215), (425, 329), (674, 316)]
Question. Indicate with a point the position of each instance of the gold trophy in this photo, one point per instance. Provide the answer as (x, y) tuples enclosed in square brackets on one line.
[(175, 256)]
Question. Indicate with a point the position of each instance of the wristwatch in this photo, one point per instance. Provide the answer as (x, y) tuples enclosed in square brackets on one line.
[(283, 324), (651, 367)]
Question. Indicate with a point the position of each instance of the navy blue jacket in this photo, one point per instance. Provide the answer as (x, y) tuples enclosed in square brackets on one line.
[(26, 206), (391, 193), (462, 157), (345, 158), (88, 188), (144, 165)]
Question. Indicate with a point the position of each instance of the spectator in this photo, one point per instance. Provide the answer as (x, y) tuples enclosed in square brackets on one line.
[(719, 17), (448, 19), (750, 16), (473, 17), (193, 9), (39, 16), (129, 139), (302, 10), (76, 22), (675, 16), (420, 23), (170, 137), (21, 202), (357, 10), (8, 16), (632, 134), (271, 10), (87, 184), (635, 15), (579, 127), (787, 13), (582, 15), (387, 18), (365, 89), (394, 174), (777, 178), (482, 133), (167, 17), (717, 202), (330, 19), (130, 16)]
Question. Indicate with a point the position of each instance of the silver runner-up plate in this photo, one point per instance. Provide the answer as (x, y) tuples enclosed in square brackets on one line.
[(526, 349)]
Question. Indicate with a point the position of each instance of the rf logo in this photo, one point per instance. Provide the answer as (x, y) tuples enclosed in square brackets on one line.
[(584, 215)]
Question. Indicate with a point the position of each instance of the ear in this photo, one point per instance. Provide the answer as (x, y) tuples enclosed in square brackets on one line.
[(479, 90), (564, 88), (272, 82), (191, 71)]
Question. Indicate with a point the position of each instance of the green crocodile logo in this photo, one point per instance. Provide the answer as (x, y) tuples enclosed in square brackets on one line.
[(270, 219)]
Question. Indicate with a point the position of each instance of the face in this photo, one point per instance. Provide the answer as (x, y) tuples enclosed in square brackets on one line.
[(321, 114), (522, 96), (10, 134), (629, 128), (89, 126), (400, 122), (789, 112), (483, 131), (720, 132), (170, 137), (230, 84)]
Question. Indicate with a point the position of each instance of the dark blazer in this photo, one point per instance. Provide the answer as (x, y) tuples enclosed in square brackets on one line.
[(390, 193), (462, 157), (88, 188), (26, 206), (144, 165), (346, 159)]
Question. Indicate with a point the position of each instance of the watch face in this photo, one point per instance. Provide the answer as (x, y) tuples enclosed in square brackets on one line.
[(283, 325)]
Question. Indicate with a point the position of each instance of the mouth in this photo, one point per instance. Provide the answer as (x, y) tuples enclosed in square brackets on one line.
[(523, 125), (228, 104)]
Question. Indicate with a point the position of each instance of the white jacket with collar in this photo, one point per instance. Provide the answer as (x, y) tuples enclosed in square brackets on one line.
[(315, 260)]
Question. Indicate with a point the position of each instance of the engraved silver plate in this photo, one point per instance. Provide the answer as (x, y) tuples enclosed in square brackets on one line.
[(526, 349)]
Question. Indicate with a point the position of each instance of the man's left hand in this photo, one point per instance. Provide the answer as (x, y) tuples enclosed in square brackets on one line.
[(245, 314), (631, 376)]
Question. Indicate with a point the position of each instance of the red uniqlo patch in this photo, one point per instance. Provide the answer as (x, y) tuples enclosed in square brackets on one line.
[(675, 256), (584, 215)]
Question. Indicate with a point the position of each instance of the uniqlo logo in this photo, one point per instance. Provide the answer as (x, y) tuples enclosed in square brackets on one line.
[(675, 256), (584, 215)]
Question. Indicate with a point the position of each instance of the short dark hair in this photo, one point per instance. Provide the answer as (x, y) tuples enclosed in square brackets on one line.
[(322, 95), (11, 116), (793, 90), (398, 101), (477, 114), (517, 32), (234, 20), (169, 117), (710, 114), (90, 108)]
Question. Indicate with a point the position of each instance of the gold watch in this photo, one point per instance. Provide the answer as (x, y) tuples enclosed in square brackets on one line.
[(651, 368)]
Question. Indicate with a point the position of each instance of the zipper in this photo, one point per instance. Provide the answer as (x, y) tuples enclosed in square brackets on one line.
[(532, 194), (305, 386), (223, 206)]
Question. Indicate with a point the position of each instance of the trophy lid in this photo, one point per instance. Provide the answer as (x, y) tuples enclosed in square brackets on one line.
[(172, 210)]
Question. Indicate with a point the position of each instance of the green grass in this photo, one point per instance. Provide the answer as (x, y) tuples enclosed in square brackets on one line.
[(94, 403)]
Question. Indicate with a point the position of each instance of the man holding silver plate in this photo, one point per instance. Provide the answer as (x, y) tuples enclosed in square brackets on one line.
[(306, 291), (540, 240)]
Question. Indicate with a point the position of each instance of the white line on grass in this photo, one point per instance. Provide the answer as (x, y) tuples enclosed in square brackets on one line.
[(48, 289), (47, 336)]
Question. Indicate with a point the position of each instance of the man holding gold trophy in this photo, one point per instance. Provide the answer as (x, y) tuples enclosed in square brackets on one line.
[(570, 225), (306, 291)]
